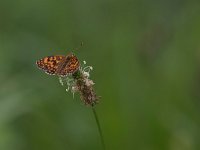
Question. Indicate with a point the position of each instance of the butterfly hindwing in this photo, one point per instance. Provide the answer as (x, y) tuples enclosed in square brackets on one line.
[(71, 66)]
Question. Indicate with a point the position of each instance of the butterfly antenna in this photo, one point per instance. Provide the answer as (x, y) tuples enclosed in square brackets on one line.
[(76, 49)]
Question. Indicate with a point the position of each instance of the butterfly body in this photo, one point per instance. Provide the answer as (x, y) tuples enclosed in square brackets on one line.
[(59, 64)]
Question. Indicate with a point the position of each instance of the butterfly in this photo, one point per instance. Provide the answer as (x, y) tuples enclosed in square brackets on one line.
[(59, 64)]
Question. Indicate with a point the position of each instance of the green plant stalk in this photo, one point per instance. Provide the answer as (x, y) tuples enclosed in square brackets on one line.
[(99, 128)]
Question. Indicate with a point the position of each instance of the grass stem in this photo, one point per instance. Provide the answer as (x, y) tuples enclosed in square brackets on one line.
[(99, 128)]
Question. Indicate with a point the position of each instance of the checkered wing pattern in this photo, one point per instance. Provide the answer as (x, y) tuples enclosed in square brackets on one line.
[(59, 65), (70, 66), (50, 63)]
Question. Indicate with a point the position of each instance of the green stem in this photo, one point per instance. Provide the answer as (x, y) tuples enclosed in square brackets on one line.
[(99, 128)]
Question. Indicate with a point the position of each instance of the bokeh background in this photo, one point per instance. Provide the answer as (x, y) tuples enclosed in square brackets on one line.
[(146, 60)]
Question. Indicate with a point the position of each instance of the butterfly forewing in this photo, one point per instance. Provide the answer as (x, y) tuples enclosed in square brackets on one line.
[(50, 63)]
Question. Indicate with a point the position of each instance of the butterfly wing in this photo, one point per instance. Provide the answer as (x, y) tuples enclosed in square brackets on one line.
[(50, 63), (69, 66)]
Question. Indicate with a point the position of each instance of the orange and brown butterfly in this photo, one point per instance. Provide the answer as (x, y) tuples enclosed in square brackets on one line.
[(59, 64)]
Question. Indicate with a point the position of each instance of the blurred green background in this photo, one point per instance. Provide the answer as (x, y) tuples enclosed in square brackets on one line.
[(146, 60)]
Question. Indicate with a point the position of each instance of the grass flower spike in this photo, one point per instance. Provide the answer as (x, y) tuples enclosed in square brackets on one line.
[(79, 82)]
